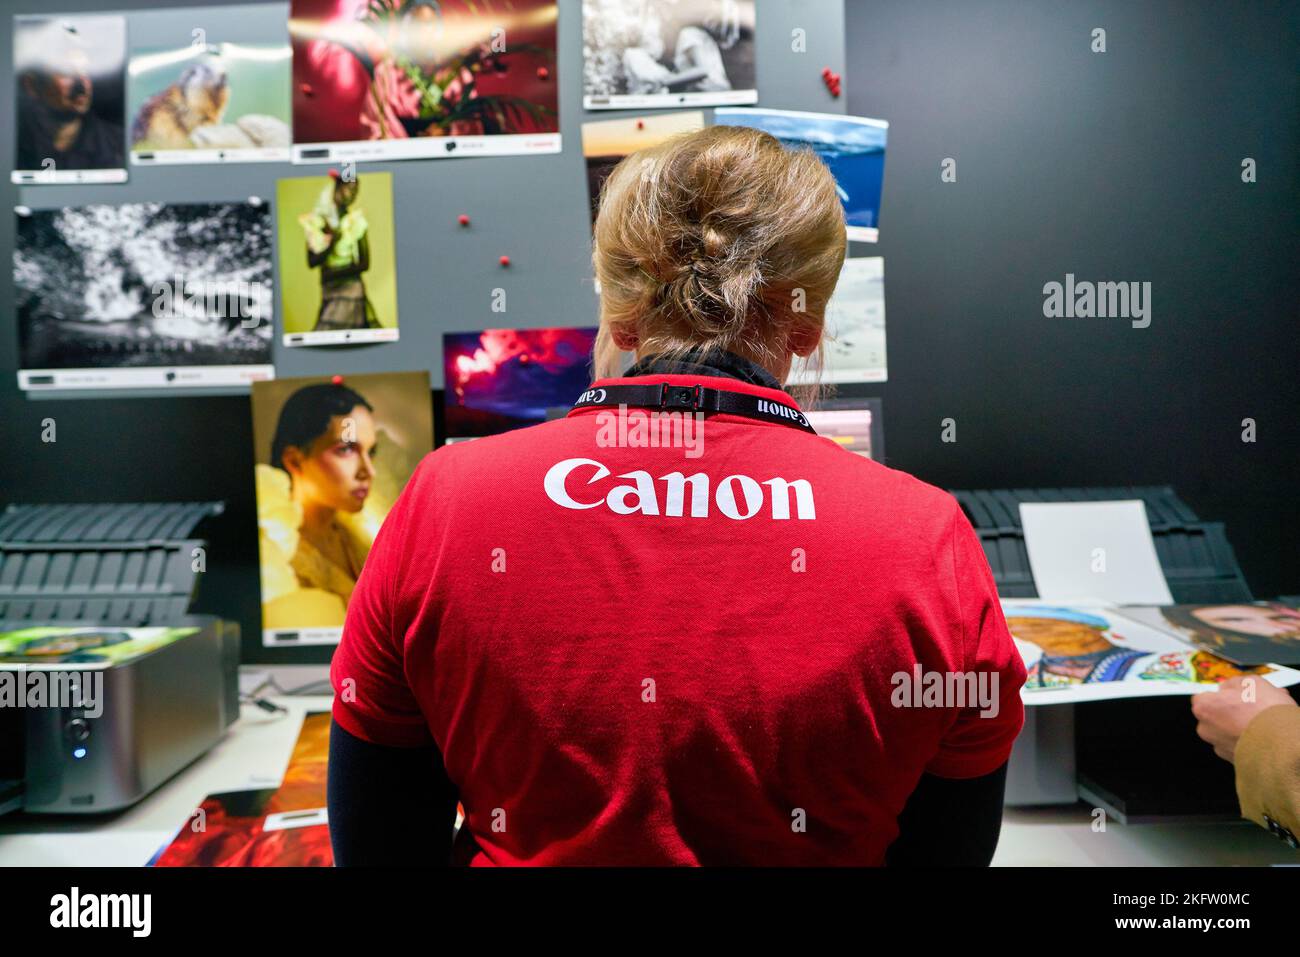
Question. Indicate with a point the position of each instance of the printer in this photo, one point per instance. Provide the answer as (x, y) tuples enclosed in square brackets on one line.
[(1140, 760), (108, 685)]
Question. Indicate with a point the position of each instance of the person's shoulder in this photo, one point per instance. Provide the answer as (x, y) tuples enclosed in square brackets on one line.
[(915, 508), (465, 457), (864, 472)]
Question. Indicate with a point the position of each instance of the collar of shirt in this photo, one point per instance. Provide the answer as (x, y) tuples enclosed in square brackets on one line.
[(713, 363)]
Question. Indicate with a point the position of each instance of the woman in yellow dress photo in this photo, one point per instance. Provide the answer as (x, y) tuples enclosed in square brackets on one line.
[(311, 497)]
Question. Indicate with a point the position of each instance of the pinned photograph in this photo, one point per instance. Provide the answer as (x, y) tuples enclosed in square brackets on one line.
[(1086, 653), (69, 87), (643, 54), (502, 379), (210, 103), (855, 328), (331, 455), (852, 146), (338, 259), (855, 425), (144, 295), (606, 142), (423, 79)]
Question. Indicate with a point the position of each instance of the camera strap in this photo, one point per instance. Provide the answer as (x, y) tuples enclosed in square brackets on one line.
[(695, 398)]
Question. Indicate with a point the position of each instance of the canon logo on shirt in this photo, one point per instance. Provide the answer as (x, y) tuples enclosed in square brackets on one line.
[(570, 484)]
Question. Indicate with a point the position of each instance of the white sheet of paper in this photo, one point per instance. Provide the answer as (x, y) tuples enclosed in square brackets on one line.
[(1093, 551)]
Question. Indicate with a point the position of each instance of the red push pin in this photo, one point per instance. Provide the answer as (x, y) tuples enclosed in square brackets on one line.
[(336, 380), (640, 124), (463, 219), (826, 72), (543, 73), (505, 260)]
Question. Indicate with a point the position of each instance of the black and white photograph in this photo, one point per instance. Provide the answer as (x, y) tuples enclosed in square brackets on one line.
[(143, 295), (69, 89), (640, 54)]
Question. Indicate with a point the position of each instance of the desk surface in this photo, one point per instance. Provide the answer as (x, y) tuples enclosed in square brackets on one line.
[(256, 750)]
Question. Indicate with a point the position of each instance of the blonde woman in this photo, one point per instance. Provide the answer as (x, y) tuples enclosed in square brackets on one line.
[(756, 648)]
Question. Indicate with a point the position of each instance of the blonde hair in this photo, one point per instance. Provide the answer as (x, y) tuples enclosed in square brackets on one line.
[(717, 239)]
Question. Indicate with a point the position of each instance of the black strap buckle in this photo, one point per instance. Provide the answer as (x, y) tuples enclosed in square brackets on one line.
[(681, 397)]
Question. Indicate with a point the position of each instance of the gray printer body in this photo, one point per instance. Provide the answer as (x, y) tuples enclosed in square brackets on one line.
[(109, 567), (151, 717)]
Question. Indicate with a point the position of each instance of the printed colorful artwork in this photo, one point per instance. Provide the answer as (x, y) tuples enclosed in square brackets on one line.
[(1246, 633), (405, 79), (503, 379), (338, 259), (606, 142), (332, 454), (64, 645), (1093, 653), (852, 146), (210, 103), (264, 827)]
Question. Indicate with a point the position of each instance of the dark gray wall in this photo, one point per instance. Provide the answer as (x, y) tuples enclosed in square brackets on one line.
[(1123, 165), (533, 208)]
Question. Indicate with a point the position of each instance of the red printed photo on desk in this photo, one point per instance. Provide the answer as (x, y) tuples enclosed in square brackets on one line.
[(264, 827)]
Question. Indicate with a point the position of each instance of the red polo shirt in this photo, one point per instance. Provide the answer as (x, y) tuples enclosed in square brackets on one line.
[(631, 655)]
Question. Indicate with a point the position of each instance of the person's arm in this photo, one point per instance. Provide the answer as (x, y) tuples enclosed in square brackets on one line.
[(950, 822), (388, 806), (316, 260), (386, 775), (1256, 727), (954, 815)]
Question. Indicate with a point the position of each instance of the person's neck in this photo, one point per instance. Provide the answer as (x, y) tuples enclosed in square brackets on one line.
[(706, 362), (317, 520)]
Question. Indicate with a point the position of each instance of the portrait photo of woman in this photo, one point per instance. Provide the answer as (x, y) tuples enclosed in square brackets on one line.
[(333, 456)]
